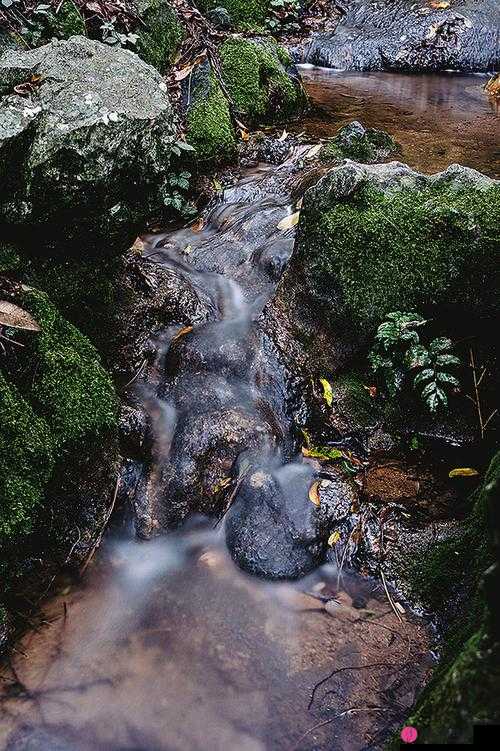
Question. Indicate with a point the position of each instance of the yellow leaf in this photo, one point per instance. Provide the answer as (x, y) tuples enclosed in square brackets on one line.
[(321, 452), (327, 391), (314, 493), (463, 472), (182, 332), (289, 221), (299, 203), (440, 4), (187, 250), (245, 135), (334, 538)]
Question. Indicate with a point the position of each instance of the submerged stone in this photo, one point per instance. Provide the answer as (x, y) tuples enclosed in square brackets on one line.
[(87, 150), (354, 141)]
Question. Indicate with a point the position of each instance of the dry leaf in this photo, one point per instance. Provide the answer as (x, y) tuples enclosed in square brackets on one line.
[(463, 472), (185, 330), (138, 246), (327, 391), (245, 135), (334, 538), (332, 607), (198, 225), (440, 4), (289, 221), (187, 250), (16, 318), (372, 390), (314, 151), (283, 136), (299, 203), (314, 493)]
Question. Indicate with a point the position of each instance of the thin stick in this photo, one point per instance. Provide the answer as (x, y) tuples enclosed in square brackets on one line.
[(388, 595), (136, 376), (341, 670), (100, 536)]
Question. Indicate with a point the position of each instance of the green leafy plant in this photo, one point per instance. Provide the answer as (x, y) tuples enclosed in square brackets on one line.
[(399, 358), (177, 187), (283, 16), (111, 35)]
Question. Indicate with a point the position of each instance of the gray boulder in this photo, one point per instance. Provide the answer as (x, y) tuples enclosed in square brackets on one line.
[(86, 132), (406, 35)]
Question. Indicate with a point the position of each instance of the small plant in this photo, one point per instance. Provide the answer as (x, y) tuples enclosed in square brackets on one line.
[(111, 35), (283, 16), (399, 357)]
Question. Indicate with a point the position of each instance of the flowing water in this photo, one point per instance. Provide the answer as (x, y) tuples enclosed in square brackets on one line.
[(167, 644)]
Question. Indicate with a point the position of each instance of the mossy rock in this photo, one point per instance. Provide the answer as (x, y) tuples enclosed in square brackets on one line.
[(55, 397), (10, 259), (26, 460), (255, 74), (362, 144), (244, 14), (209, 126), (465, 687), (160, 34), (377, 239)]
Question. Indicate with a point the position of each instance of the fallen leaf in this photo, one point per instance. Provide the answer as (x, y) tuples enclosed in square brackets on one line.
[(372, 390), (16, 318), (185, 330), (314, 493), (440, 4), (463, 472), (334, 538), (299, 203), (221, 485), (327, 391), (245, 135), (314, 151), (187, 250), (198, 225), (138, 246), (332, 607), (320, 452), (283, 136), (289, 221)]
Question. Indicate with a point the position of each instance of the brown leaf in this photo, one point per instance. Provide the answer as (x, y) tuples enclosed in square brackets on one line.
[(198, 225), (16, 318), (185, 330), (314, 493)]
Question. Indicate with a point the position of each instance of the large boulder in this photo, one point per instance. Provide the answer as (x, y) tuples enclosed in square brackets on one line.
[(411, 36), (86, 132), (379, 238)]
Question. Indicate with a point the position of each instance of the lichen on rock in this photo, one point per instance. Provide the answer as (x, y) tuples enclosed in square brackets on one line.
[(89, 149)]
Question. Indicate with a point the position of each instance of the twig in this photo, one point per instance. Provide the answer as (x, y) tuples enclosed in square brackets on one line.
[(351, 710), (341, 670), (136, 376), (231, 499), (388, 595), (103, 529)]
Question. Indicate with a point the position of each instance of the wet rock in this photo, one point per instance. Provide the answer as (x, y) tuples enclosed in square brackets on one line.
[(351, 265), (405, 35), (88, 147), (274, 530), (354, 141), (270, 532)]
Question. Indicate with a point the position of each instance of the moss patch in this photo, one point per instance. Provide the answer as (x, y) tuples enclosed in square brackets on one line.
[(257, 81), (361, 144), (26, 460), (245, 14), (465, 687), (410, 249), (159, 41), (209, 125), (55, 398)]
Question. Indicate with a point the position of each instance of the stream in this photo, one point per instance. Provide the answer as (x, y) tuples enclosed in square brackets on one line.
[(168, 644)]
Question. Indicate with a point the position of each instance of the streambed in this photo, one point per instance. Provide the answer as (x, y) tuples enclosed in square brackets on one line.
[(166, 644)]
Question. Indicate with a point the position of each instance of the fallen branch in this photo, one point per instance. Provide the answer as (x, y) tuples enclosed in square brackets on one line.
[(103, 529), (341, 670)]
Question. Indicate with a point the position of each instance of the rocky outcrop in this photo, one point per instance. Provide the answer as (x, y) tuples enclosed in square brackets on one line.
[(374, 239), (411, 36), (86, 132)]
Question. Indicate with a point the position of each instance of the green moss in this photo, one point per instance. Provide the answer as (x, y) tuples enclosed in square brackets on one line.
[(465, 687), (70, 388), (159, 41), (404, 250), (68, 21), (362, 145), (257, 82), (209, 125), (9, 258), (245, 14), (352, 400), (26, 460)]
